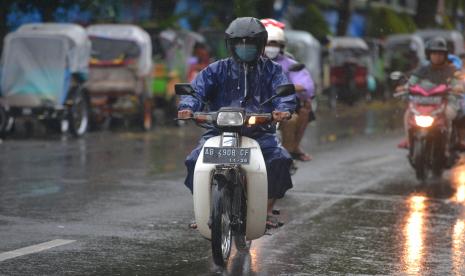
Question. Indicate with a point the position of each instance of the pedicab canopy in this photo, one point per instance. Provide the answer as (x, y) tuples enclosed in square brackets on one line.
[(342, 49), (455, 41), (117, 44), (38, 60), (307, 50), (403, 52)]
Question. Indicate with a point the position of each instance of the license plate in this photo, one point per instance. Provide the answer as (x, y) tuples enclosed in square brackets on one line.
[(226, 155)]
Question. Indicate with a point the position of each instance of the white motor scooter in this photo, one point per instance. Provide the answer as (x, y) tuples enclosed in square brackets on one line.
[(230, 178)]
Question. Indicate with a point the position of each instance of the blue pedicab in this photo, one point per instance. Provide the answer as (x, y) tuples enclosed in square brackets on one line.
[(44, 67)]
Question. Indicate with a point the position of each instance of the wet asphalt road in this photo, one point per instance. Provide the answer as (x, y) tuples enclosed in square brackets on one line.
[(119, 198)]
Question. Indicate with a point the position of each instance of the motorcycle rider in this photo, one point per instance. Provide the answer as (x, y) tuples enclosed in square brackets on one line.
[(245, 79), (294, 129), (438, 71)]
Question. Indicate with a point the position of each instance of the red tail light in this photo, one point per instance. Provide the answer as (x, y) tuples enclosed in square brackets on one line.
[(361, 76), (337, 75)]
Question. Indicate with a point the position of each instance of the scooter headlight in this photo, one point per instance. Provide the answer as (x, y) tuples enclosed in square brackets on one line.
[(227, 118), (424, 121)]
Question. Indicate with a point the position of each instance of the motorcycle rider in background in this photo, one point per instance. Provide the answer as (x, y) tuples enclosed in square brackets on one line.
[(438, 71), (292, 131), (245, 79)]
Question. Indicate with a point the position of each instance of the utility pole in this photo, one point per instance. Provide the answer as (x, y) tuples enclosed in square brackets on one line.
[(345, 10)]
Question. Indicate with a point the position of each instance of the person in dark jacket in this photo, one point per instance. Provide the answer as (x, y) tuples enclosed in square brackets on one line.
[(437, 71), (245, 80)]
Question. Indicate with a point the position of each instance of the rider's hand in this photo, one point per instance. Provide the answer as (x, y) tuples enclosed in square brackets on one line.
[(185, 114), (280, 116), (400, 88)]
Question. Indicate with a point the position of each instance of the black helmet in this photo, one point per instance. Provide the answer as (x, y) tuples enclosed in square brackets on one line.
[(245, 39), (437, 44)]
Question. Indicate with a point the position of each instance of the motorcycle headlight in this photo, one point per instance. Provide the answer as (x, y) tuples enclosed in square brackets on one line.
[(424, 121), (230, 119)]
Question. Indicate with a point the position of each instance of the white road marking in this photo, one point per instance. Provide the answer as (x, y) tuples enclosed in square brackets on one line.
[(351, 196), (374, 197), (33, 249)]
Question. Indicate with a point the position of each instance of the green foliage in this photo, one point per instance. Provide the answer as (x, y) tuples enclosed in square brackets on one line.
[(245, 8), (312, 21), (384, 21), (447, 23)]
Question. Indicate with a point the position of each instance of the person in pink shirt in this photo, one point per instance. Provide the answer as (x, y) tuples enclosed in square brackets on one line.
[(294, 129)]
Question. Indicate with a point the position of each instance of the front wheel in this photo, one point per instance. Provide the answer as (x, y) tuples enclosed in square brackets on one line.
[(439, 162), (420, 159), (78, 112), (4, 119), (221, 232), (240, 203)]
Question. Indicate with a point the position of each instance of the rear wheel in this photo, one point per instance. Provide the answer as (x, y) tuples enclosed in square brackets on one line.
[(221, 232), (146, 113), (78, 112), (4, 119), (332, 98)]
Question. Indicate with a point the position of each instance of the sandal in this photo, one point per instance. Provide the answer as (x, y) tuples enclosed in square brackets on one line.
[(301, 156), (272, 222), (192, 225), (404, 144)]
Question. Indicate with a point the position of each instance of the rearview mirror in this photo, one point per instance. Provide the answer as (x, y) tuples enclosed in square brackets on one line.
[(183, 89), (285, 90)]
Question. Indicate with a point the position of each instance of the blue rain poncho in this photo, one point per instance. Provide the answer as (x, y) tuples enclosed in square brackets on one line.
[(222, 84)]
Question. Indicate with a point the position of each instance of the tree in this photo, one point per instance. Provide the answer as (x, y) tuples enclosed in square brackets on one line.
[(426, 13), (312, 21), (384, 21), (345, 11)]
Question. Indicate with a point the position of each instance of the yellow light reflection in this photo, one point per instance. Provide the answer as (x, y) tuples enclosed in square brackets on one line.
[(414, 235), (255, 254), (460, 196), (458, 253), (459, 181), (417, 203)]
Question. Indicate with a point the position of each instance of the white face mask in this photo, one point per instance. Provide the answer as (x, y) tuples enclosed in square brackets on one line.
[(272, 51)]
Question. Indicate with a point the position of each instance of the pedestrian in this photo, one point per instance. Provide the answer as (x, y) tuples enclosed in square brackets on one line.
[(292, 131)]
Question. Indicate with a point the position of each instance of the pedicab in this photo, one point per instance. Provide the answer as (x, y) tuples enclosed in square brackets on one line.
[(350, 62), (44, 69), (404, 53), (120, 74), (455, 41), (307, 50), (172, 62)]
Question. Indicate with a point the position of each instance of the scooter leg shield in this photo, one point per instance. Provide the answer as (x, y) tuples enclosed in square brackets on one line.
[(257, 190)]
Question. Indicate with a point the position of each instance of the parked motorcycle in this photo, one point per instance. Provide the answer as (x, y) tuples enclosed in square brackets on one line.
[(428, 128), (230, 178)]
